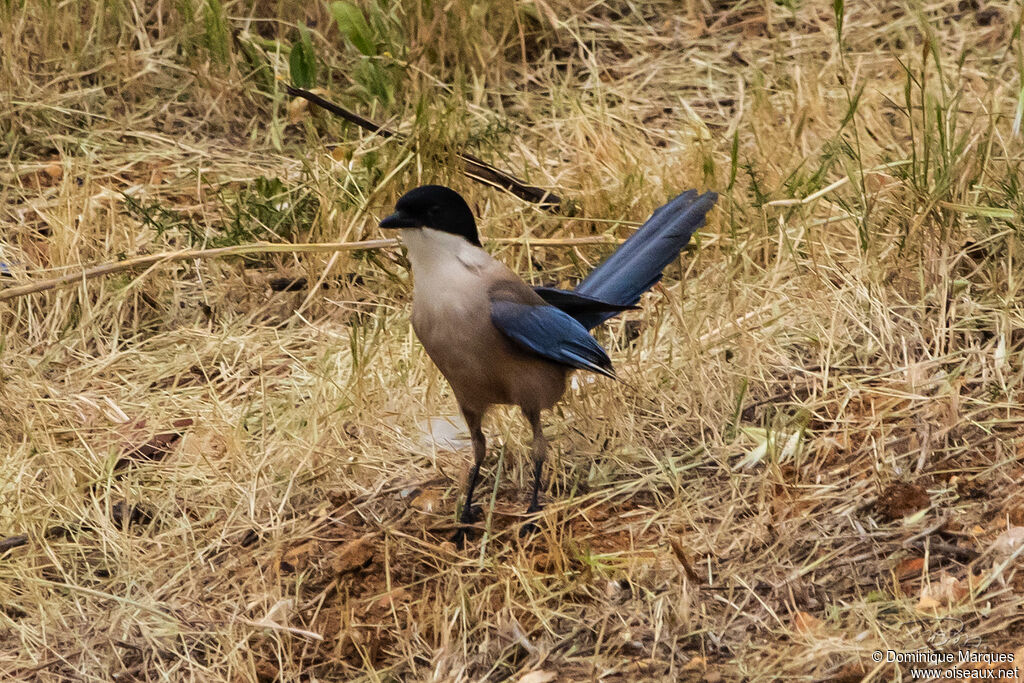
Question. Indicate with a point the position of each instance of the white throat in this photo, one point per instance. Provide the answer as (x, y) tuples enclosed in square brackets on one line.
[(442, 262), (430, 249)]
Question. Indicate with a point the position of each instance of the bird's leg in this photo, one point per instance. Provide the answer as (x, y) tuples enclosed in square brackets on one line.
[(468, 515), (540, 448)]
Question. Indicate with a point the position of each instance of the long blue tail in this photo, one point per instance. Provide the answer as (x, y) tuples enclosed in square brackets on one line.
[(637, 265)]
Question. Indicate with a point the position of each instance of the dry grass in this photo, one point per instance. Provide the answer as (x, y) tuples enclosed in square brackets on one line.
[(824, 414)]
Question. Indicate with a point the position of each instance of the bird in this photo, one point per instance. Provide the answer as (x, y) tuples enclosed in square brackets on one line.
[(498, 340)]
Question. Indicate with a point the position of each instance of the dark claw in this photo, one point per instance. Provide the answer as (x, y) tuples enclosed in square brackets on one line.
[(470, 514), (459, 537), (528, 529)]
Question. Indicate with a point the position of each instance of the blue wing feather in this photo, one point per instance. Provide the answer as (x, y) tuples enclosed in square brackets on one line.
[(637, 265), (551, 333)]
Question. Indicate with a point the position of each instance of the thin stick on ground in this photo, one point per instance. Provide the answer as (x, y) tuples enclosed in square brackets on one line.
[(477, 169), (105, 269)]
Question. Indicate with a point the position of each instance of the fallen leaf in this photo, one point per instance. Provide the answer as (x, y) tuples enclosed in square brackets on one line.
[(354, 555), (427, 500), (392, 597), (876, 181), (946, 591), (1008, 542), (54, 170), (1016, 515), (805, 623), (266, 671), (157, 447), (539, 677), (296, 558), (911, 566), (696, 663), (900, 499)]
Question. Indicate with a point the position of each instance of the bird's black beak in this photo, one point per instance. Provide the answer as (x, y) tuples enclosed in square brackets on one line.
[(400, 220)]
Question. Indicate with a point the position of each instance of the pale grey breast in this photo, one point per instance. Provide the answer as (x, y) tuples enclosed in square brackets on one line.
[(452, 319)]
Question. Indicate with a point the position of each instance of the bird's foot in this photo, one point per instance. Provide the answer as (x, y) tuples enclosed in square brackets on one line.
[(469, 515), (529, 528), (459, 537)]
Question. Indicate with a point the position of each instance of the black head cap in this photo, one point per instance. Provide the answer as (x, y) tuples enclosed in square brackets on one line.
[(436, 207)]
